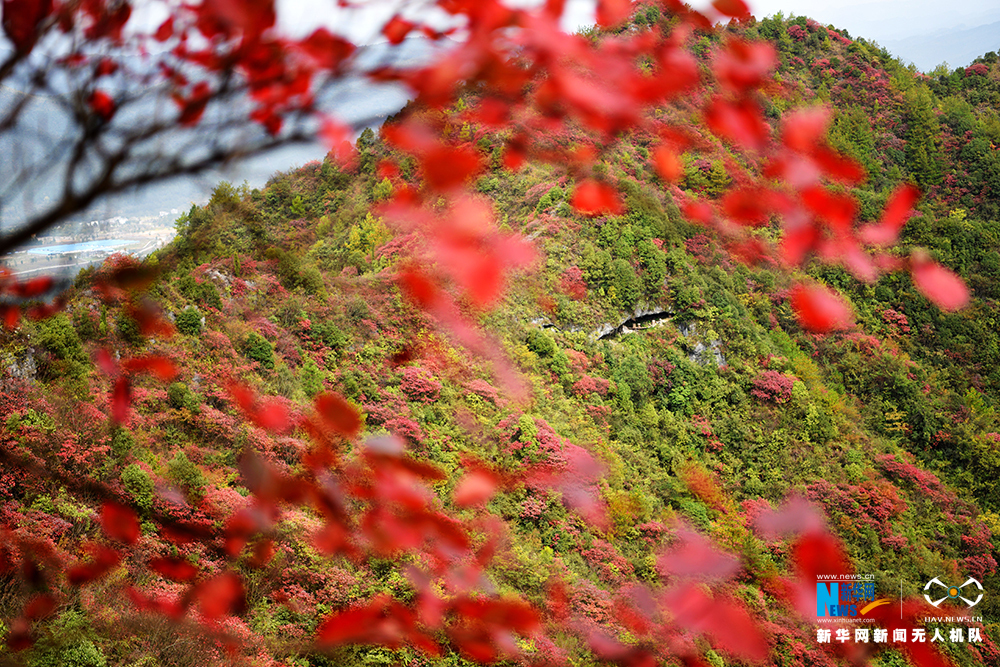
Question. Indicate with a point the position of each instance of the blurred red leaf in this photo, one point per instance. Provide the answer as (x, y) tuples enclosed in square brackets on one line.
[(803, 130), (448, 166), (819, 553), (897, 212), (121, 399), (668, 166), (11, 315), (103, 560), (102, 104), (120, 523), (326, 49), (945, 289), (418, 287), (740, 122), (40, 606), (161, 367), (221, 596), (270, 415), (819, 309), (696, 557), (476, 487), (174, 569), (338, 414), (397, 29), (748, 205), (22, 20), (735, 8), (743, 65), (34, 287), (595, 198), (19, 636), (165, 31), (612, 12), (839, 167)]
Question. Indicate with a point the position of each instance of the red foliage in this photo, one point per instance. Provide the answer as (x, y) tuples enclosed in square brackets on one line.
[(773, 386)]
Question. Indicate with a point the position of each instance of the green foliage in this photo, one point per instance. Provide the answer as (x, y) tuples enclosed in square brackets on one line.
[(138, 485), (311, 377), (68, 643), (187, 475), (122, 443), (188, 321), (180, 397), (57, 335), (259, 349)]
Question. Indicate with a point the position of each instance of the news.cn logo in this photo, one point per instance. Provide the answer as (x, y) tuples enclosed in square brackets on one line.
[(846, 599), (953, 592)]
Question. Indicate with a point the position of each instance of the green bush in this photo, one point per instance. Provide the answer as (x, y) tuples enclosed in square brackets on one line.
[(187, 475), (139, 486), (259, 349), (122, 443), (180, 397), (189, 321)]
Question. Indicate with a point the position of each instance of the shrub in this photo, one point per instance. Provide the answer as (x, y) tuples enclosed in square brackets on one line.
[(773, 386), (419, 385), (259, 349), (180, 397), (138, 484), (189, 321), (187, 475)]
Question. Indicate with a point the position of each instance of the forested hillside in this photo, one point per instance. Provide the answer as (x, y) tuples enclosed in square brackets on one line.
[(661, 405)]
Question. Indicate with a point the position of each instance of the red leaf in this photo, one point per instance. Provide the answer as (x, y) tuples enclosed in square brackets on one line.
[(19, 638), (22, 19), (119, 523), (221, 596), (269, 415), (102, 104), (11, 315), (338, 414), (175, 569), (612, 12), (397, 29), (327, 49), (387, 169), (668, 167), (34, 287), (106, 67), (104, 560), (945, 289), (696, 557), (744, 65), (595, 198), (819, 553), (165, 31), (740, 122), (448, 166), (804, 129), (121, 398), (819, 309), (748, 205), (337, 137), (897, 212), (193, 106), (839, 167), (476, 487), (161, 367), (39, 607), (419, 288), (514, 157), (735, 8)]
